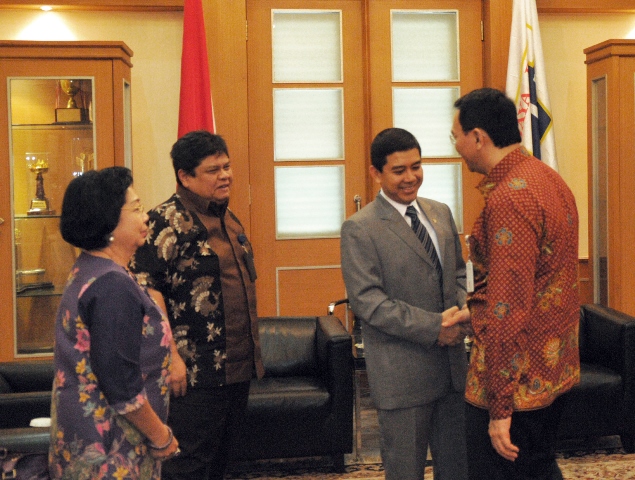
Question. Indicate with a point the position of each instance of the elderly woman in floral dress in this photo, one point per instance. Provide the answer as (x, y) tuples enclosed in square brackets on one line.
[(112, 343)]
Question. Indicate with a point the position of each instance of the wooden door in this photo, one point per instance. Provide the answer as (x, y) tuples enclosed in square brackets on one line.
[(300, 274), (386, 84)]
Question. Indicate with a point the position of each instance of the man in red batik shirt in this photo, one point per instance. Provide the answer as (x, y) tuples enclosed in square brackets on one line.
[(524, 308)]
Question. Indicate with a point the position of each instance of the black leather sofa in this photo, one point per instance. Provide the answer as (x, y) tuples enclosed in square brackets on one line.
[(298, 410), (603, 403), (25, 393), (302, 407)]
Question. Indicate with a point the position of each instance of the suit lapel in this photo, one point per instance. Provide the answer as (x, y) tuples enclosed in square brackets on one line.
[(398, 225)]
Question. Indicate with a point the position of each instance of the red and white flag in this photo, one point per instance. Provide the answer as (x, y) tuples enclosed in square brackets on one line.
[(527, 85), (195, 105)]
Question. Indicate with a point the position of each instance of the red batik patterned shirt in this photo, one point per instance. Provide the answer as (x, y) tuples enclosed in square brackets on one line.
[(525, 306)]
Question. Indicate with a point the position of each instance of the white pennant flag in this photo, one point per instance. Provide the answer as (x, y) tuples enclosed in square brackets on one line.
[(526, 83)]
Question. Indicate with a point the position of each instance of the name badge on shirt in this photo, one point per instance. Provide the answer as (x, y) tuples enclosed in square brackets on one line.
[(469, 276), (469, 268)]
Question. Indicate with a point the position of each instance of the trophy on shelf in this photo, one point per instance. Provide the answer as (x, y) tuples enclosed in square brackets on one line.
[(84, 158), (71, 113), (40, 204)]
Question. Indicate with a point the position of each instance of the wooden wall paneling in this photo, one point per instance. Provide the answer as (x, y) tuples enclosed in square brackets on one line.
[(292, 285), (120, 72), (226, 29), (497, 19), (614, 60), (625, 192), (6, 237), (585, 6), (585, 286), (614, 241)]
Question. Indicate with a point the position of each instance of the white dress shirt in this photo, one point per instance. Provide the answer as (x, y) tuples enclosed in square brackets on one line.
[(401, 208)]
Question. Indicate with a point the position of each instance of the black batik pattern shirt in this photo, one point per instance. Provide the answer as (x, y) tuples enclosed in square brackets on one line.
[(177, 261)]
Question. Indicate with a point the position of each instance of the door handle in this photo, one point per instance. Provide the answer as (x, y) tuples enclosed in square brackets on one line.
[(358, 202)]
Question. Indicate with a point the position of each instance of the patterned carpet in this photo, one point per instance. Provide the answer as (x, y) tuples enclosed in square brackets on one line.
[(602, 458), (602, 464)]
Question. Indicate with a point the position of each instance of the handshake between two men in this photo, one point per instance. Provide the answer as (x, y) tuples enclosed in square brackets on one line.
[(455, 326)]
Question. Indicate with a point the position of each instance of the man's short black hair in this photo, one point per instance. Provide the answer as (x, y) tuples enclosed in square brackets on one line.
[(192, 148), (492, 111), (389, 141), (92, 205)]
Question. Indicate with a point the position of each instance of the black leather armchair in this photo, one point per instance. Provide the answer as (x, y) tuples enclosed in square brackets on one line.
[(25, 393), (603, 403), (304, 405)]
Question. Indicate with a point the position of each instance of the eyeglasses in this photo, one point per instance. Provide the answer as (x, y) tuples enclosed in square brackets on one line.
[(139, 208), (452, 139)]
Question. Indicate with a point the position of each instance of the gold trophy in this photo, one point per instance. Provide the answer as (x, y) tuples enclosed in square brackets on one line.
[(40, 204), (71, 113)]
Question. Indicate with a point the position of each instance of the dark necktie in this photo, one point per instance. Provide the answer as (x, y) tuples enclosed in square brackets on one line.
[(424, 236)]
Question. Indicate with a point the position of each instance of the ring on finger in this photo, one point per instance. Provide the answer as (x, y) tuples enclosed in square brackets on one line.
[(173, 454)]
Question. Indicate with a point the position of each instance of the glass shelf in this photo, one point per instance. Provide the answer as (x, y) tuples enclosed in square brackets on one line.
[(42, 292), (22, 216), (46, 155)]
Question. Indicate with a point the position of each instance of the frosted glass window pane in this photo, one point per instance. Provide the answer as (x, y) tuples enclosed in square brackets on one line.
[(309, 201), (424, 46), (307, 46), (427, 113), (442, 182), (308, 123)]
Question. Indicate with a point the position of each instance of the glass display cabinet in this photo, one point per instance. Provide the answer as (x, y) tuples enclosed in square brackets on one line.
[(66, 106)]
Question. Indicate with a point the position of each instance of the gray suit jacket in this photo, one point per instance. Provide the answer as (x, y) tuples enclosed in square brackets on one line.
[(393, 289)]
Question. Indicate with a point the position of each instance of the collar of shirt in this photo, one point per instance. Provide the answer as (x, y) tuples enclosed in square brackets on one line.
[(199, 204), (500, 171), (401, 208)]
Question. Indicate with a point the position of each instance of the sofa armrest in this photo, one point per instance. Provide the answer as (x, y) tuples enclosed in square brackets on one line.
[(27, 376), (25, 440), (607, 338), (335, 357), (334, 349), (18, 409)]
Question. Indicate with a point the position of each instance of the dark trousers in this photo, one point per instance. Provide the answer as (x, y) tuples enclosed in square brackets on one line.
[(203, 422), (533, 432), (407, 432)]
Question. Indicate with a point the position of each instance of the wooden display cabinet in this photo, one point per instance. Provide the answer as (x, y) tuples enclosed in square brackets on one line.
[(64, 109), (611, 167)]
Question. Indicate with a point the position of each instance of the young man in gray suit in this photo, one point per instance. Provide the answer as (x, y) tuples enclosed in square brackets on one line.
[(402, 285)]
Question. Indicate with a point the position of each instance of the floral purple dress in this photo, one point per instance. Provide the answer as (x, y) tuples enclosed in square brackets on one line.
[(112, 354)]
